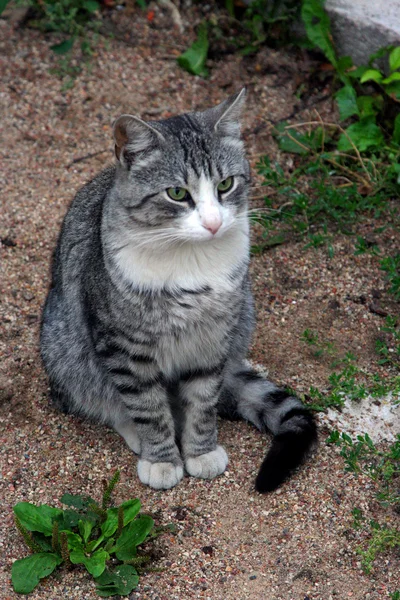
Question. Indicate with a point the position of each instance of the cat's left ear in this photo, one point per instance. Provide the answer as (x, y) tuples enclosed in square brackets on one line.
[(133, 135), (225, 118)]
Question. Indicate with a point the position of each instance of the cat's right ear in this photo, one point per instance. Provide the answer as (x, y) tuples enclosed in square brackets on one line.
[(132, 135)]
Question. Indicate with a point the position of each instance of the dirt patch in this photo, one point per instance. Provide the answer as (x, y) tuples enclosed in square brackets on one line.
[(295, 544)]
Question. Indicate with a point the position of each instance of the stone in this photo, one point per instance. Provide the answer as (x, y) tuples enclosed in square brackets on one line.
[(361, 27)]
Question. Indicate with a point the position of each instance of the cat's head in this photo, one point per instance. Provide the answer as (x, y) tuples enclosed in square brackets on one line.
[(184, 179)]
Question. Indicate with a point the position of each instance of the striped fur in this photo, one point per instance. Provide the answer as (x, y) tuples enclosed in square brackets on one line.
[(149, 314)]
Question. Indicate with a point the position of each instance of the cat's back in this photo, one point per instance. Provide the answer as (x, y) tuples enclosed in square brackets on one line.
[(79, 240)]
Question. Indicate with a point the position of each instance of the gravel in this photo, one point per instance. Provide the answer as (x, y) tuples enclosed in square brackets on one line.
[(230, 543)]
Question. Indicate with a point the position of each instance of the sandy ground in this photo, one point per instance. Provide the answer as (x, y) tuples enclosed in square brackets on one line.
[(231, 543)]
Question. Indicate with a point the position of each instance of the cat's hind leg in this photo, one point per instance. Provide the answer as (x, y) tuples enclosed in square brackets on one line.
[(60, 399), (248, 395), (126, 429)]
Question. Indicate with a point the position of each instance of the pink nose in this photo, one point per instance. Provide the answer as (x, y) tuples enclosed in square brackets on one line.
[(212, 225)]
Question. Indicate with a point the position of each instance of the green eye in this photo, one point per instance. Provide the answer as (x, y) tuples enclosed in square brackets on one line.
[(225, 185), (177, 193)]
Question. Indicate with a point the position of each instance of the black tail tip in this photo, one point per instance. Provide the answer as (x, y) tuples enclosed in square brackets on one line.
[(287, 452)]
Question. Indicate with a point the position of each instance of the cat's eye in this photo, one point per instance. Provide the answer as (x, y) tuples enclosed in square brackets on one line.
[(225, 185), (177, 193)]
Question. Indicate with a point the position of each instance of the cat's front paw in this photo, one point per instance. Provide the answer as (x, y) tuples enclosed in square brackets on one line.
[(159, 475), (207, 465)]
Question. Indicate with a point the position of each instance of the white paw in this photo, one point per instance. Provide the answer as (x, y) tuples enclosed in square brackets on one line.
[(161, 475), (207, 465)]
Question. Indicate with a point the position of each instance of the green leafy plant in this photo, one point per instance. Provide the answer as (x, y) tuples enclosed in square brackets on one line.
[(75, 23), (194, 59), (391, 265), (268, 21), (389, 351), (362, 246), (71, 18), (350, 382), (317, 196), (382, 539), (3, 4), (104, 539), (344, 171), (258, 22), (370, 109), (382, 466), (362, 456), (342, 385), (311, 338)]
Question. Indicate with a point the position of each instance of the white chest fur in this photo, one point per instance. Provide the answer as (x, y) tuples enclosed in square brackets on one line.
[(186, 265)]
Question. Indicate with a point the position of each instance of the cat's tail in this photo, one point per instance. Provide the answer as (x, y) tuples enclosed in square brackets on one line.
[(248, 395)]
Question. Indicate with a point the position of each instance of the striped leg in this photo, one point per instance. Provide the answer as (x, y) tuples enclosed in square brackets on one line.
[(160, 464), (203, 457), (147, 424)]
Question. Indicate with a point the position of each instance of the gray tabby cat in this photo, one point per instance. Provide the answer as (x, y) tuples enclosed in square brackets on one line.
[(149, 314)]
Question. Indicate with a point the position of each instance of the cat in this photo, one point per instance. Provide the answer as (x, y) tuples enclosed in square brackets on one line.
[(149, 314)]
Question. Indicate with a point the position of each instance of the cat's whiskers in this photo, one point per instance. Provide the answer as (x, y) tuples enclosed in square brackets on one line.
[(143, 239), (255, 212), (159, 240)]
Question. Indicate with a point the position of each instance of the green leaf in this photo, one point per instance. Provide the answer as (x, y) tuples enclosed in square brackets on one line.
[(394, 59), (396, 130), (91, 5), (3, 4), (94, 544), (291, 140), (334, 437), (248, 50), (318, 28), (37, 518), (381, 53), (392, 77), (132, 535), (369, 105), (95, 563), (393, 89), (75, 542), (27, 572), (371, 75), (77, 501), (230, 7), (121, 581), (86, 48), (43, 541), (365, 134), (194, 59), (131, 508), (109, 544), (358, 73), (107, 590), (69, 520), (344, 63), (85, 529), (64, 47), (347, 102), (109, 527)]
